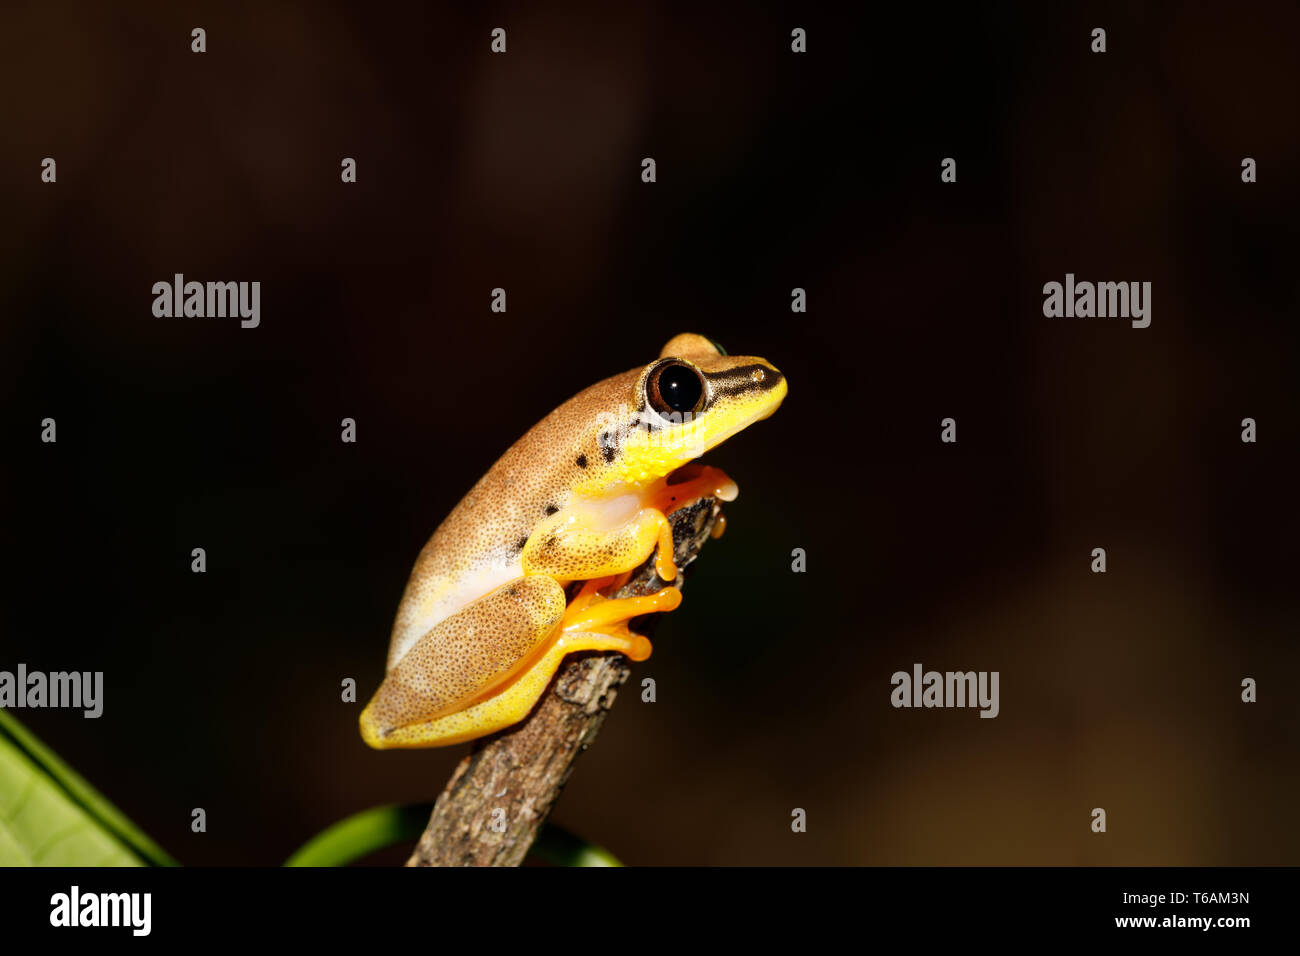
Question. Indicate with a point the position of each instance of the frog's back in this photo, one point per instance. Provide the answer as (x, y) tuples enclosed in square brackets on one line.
[(477, 547)]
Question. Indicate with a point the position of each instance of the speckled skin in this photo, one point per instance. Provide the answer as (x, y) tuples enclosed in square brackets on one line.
[(486, 528), (571, 500), (490, 638)]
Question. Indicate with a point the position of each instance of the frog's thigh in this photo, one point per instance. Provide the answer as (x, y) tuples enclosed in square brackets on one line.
[(465, 656), (513, 702), (579, 552)]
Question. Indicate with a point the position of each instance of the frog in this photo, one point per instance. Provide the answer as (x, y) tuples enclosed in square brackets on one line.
[(520, 574)]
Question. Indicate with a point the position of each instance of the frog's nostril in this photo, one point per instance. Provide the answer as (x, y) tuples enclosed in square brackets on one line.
[(774, 392)]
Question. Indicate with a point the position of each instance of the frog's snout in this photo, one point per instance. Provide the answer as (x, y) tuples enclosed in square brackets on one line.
[(773, 382), (373, 730)]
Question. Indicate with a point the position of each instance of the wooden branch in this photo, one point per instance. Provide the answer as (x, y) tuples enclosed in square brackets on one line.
[(522, 770)]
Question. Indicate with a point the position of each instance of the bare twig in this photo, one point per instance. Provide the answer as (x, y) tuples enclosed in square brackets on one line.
[(521, 771)]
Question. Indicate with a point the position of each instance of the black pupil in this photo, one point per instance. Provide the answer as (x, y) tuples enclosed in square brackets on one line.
[(680, 388)]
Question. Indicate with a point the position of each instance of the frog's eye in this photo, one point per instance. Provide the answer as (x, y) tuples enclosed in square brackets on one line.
[(675, 387)]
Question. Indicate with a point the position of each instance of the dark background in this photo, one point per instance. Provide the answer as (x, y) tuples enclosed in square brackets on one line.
[(775, 170)]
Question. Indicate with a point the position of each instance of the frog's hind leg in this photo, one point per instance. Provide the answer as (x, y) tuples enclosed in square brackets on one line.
[(594, 623), (461, 659), (504, 648)]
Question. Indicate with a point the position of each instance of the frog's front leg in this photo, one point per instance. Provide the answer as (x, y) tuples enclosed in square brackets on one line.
[(600, 539)]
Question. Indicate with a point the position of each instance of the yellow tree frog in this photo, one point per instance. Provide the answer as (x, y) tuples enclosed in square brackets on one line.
[(511, 581)]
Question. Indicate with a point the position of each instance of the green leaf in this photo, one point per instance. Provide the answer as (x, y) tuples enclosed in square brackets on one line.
[(362, 834), (559, 847), (375, 829), (50, 816)]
